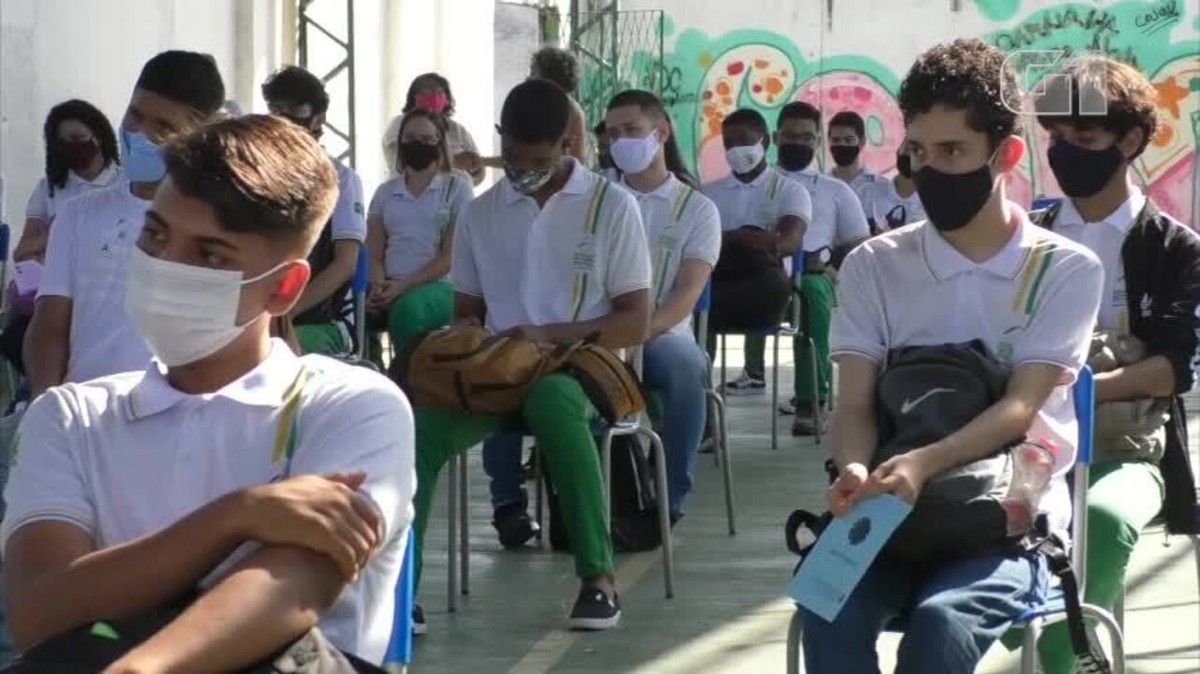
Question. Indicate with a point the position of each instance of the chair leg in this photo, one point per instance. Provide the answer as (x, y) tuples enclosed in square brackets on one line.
[(664, 513), (452, 517), (795, 629), (722, 449), (711, 408), (724, 364), (1029, 652), (1196, 544), (464, 533), (816, 388), (538, 494), (1106, 619), (1119, 609), (606, 474), (774, 412)]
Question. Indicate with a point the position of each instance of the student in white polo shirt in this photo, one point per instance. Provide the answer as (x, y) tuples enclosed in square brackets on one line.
[(894, 203), (259, 493), (683, 230), (978, 269), (764, 217), (556, 253), (1151, 294), (323, 316), (79, 329), (847, 137), (411, 226), (838, 224)]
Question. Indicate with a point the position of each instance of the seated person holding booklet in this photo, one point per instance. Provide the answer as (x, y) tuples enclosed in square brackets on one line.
[(232, 494)]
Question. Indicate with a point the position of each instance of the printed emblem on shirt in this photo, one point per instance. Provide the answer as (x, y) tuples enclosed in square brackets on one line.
[(358, 207), (584, 257)]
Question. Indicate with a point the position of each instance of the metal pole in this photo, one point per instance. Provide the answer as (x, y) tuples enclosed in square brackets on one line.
[(353, 125)]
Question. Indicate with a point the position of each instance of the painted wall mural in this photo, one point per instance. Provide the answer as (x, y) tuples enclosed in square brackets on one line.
[(703, 78)]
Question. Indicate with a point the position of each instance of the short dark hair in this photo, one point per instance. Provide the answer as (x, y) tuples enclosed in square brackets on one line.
[(968, 75), (852, 120), (557, 65), (535, 111), (86, 114), (185, 77), (600, 128), (746, 117), (293, 84), (261, 174), (799, 110), (1128, 98), (420, 81)]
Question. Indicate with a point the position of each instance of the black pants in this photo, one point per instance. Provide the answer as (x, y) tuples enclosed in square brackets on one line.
[(751, 302), (12, 341)]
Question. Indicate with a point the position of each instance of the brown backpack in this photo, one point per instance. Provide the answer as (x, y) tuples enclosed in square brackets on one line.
[(464, 368), (609, 382)]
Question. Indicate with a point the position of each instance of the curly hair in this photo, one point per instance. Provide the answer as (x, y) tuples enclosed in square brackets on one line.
[(1099, 91), (968, 75), (293, 84), (557, 65), (86, 114)]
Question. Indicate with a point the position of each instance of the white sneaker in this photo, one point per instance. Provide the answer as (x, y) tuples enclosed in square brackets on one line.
[(745, 385)]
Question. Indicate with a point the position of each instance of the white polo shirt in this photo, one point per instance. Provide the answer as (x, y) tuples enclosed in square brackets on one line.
[(758, 203), (349, 218), (1033, 302), (862, 182), (681, 224), (416, 226), (128, 455), (837, 215), (43, 205), (564, 262), (87, 260), (1105, 239), (890, 210)]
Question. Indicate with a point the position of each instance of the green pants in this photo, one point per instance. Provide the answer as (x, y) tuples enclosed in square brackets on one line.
[(559, 416), (420, 310), (818, 293), (325, 339), (1122, 499)]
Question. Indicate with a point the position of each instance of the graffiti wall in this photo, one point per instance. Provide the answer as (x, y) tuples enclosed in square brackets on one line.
[(837, 61)]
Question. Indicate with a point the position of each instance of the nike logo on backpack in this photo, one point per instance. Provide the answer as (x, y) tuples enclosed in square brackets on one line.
[(910, 404)]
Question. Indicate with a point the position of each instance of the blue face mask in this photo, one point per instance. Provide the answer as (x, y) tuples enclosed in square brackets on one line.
[(141, 159)]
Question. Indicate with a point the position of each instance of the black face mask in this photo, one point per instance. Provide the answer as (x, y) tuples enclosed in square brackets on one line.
[(77, 155), (417, 155), (795, 156), (951, 200), (844, 155), (904, 165), (1082, 172)]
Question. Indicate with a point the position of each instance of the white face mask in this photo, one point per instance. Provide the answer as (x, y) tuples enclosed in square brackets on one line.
[(634, 155), (744, 158), (184, 313)]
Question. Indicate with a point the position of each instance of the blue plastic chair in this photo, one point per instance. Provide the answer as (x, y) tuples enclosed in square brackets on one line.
[(1052, 608), (399, 651), (716, 408), (359, 287)]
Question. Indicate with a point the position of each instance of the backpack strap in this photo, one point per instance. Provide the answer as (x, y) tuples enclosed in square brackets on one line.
[(1089, 656), (285, 435), (591, 226)]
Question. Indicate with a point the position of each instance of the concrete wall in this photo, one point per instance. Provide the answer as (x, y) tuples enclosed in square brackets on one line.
[(517, 37), (841, 54)]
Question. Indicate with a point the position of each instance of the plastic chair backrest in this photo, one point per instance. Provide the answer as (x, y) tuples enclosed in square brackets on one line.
[(5, 236), (798, 265), (399, 651), (362, 272), (359, 285), (1043, 202), (1083, 394)]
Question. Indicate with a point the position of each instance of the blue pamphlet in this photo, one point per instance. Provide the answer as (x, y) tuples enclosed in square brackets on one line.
[(844, 552)]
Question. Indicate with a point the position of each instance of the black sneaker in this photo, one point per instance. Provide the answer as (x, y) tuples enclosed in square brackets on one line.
[(594, 610), (418, 617), (514, 524)]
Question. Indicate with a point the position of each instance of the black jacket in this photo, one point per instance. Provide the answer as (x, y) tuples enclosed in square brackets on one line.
[(1161, 257)]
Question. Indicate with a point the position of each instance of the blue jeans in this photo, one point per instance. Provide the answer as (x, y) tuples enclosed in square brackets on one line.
[(675, 367), (950, 617)]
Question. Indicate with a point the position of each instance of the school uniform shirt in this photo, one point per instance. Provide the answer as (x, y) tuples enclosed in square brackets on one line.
[(1034, 301), (862, 183), (126, 456), (889, 210), (417, 226), (458, 140), (837, 215), (349, 218), (87, 261), (758, 203), (42, 205), (1105, 239), (564, 262), (681, 224)]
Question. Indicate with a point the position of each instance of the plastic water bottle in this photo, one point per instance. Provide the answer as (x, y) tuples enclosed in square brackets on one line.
[(1033, 465)]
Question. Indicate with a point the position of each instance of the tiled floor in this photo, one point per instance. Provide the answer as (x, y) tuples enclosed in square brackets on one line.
[(728, 615)]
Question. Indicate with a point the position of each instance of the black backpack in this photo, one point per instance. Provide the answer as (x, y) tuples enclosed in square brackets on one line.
[(634, 501)]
